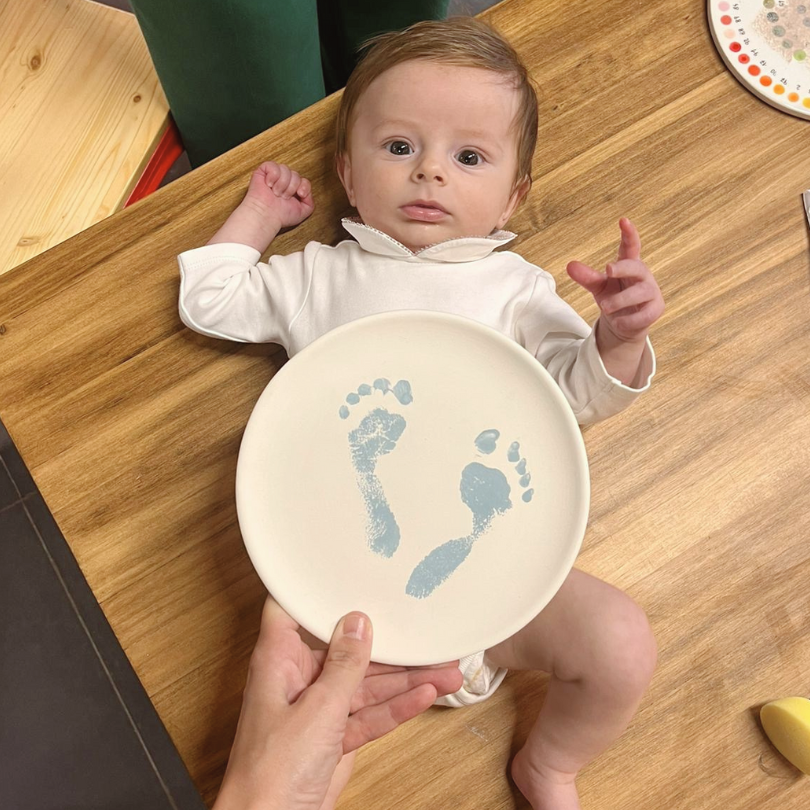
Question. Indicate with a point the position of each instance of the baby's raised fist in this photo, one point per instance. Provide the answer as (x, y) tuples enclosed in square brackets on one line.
[(281, 192)]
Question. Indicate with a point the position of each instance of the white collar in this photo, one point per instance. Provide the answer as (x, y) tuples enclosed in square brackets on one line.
[(462, 249)]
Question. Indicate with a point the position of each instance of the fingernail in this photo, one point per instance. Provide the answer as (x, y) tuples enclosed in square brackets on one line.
[(356, 625)]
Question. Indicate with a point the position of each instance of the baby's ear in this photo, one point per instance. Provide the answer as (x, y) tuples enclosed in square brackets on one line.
[(344, 170), (519, 192)]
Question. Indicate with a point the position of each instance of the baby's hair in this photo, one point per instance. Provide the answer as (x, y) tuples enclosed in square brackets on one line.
[(460, 41)]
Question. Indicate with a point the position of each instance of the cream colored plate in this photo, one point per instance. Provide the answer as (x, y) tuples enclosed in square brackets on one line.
[(386, 468), (766, 45)]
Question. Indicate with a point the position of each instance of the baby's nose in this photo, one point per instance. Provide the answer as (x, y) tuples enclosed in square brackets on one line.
[(431, 170)]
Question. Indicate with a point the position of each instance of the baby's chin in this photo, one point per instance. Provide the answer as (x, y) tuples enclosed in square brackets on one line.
[(417, 236)]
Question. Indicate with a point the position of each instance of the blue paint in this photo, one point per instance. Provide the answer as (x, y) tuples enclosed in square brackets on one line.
[(344, 412), (527, 495), (364, 390), (375, 436), (525, 480), (513, 454), (486, 441), (521, 467), (402, 391), (485, 492), (352, 399)]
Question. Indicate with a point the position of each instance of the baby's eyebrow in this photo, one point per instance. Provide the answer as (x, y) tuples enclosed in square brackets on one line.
[(392, 123), (482, 136)]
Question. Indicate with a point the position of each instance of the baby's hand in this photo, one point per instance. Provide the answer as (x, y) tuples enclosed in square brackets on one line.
[(281, 194), (627, 294)]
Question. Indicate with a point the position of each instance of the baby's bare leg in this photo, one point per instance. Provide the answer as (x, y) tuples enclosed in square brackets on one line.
[(598, 647)]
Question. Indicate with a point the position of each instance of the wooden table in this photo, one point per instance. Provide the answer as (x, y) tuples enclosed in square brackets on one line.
[(82, 112), (130, 423)]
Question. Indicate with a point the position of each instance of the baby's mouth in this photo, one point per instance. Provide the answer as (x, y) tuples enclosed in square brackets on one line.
[(424, 211)]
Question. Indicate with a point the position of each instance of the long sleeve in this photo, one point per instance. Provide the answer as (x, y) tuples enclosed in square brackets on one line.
[(566, 346), (226, 292)]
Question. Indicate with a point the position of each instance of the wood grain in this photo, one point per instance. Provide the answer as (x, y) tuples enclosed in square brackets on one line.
[(700, 507), (82, 112)]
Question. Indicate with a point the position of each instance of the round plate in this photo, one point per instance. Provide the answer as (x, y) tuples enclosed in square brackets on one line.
[(766, 45), (419, 467)]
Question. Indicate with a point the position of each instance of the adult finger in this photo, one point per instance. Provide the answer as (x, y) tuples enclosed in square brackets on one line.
[(277, 641), (593, 281), (375, 721), (345, 664), (630, 245), (381, 688)]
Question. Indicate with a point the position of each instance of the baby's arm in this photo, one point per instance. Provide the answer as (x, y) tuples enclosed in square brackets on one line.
[(630, 302), (277, 198), (225, 289)]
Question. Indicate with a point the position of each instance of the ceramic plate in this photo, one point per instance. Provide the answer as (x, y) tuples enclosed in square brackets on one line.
[(419, 467), (766, 45)]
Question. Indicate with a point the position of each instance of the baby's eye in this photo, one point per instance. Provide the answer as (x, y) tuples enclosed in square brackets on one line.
[(468, 157), (399, 148)]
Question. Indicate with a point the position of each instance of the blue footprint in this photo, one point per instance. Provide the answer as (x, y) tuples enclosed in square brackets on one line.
[(485, 491), (375, 436)]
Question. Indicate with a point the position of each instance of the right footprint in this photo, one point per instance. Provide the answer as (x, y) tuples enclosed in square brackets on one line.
[(485, 491)]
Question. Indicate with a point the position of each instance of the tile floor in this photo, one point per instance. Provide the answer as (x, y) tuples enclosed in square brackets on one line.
[(77, 731)]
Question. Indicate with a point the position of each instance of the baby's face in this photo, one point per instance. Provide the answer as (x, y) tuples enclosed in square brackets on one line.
[(433, 153)]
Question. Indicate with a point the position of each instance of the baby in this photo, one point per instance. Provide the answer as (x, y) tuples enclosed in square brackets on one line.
[(436, 133)]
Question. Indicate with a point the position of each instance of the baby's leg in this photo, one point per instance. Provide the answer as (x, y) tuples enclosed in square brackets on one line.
[(598, 647)]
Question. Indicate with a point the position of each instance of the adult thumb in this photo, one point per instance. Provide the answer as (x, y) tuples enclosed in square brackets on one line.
[(348, 657)]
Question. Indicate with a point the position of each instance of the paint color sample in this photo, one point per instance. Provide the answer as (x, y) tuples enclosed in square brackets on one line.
[(765, 44)]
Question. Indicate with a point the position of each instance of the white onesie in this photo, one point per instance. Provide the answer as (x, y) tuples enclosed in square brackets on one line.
[(227, 292)]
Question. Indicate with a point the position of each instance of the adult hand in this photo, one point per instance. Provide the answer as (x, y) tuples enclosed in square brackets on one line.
[(627, 294), (305, 712)]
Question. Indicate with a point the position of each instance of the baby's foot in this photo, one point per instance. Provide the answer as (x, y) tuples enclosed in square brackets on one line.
[(376, 436), (544, 788), (485, 491)]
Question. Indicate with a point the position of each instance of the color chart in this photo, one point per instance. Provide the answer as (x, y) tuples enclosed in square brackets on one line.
[(766, 45)]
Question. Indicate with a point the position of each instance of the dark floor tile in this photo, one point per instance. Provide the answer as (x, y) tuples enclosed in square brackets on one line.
[(8, 491), (66, 739), (14, 464), (154, 736)]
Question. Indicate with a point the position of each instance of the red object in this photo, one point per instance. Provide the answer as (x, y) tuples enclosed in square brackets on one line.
[(753, 70), (744, 58), (725, 19), (736, 47), (169, 148)]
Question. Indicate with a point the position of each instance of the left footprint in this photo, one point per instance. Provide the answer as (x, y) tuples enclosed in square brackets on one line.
[(376, 436)]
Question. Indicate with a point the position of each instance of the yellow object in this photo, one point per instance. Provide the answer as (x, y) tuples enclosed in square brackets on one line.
[(787, 724)]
